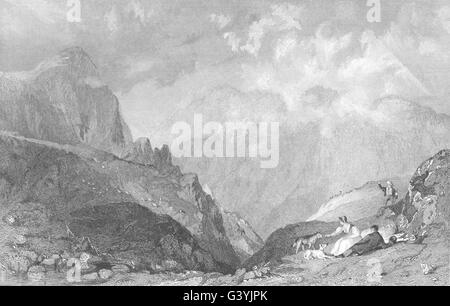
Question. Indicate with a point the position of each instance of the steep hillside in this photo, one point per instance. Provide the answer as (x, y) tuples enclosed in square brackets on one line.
[(63, 100), (243, 238), (52, 198), (108, 179), (426, 207), (358, 203)]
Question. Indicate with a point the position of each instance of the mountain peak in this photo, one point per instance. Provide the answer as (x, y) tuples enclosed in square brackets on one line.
[(76, 55), (73, 61), (64, 100)]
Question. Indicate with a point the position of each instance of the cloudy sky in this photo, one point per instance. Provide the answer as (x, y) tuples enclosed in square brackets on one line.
[(294, 61)]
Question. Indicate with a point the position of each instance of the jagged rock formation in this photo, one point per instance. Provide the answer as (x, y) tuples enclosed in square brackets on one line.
[(48, 189), (63, 100), (140, 152), (243, 238), (425, 208), (428, 198)]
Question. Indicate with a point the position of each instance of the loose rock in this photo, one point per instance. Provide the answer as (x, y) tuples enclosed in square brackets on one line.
[(90, 276), (120, 269), (105, 274), (36, 273)]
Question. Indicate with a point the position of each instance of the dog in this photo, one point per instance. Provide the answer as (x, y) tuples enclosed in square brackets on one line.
[(306, 241), (316, 254)]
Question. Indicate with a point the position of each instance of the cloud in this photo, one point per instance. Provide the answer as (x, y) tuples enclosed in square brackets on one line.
[(358, 68), (221, 20), (443, 14), (138, 11), (282, 17), (112, 19), (232, 40), (47, 12), (428, 47), (18, 16), (289, 16), (136, 66), (322, 64), (284, 46), (30, 28), (255, 35)]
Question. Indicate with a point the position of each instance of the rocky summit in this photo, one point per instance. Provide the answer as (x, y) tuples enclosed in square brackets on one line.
[(65, 101)]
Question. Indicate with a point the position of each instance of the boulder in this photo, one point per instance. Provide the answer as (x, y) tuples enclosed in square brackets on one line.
[(239, 276), (20, 239), (84, 258), (17, 263), (105, 274), (249, 275), (120, 269), (90, 276), (10, 220), (36, 273), (31, 255), (171, 265)]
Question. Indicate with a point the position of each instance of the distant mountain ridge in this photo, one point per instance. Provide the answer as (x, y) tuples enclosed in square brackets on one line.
[(321, 159)]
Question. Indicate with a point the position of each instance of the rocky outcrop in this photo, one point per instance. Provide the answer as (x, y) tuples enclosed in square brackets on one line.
[(67, 179), (428, 198), (53, 195), (243, 238), (63, 100), (141, 152)]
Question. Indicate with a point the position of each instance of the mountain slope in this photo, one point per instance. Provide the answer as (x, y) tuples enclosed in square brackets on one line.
[(426, 208), (53, 197), (318, 161), (358, 203), (243, 238), (63, 100)]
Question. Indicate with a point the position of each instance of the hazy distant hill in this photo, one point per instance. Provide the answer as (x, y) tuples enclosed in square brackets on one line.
[(316, 165)]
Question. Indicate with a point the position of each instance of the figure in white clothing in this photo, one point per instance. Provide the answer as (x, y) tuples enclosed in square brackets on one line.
[(352, 236)]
